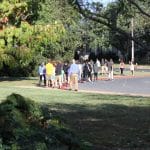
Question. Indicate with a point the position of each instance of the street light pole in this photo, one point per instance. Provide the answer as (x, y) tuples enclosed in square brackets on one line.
[(132, 34)]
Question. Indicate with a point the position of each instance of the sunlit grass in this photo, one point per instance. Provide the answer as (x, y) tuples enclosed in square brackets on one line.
[(44, 95)]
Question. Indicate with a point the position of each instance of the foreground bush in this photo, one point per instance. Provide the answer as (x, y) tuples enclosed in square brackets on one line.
[(26, 125)]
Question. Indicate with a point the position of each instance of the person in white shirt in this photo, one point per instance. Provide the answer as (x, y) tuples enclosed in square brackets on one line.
[(98, 65), (132, 68)]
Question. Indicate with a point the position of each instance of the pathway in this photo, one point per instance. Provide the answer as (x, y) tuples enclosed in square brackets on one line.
[(139, 86)]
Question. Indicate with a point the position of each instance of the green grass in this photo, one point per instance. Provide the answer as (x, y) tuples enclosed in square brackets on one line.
[(103, 121)]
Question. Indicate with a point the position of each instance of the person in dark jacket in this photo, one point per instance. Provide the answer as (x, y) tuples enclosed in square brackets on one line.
[(65, 69), (58, 73)]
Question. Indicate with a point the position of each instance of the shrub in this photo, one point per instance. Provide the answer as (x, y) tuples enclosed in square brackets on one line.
[(25, 125)]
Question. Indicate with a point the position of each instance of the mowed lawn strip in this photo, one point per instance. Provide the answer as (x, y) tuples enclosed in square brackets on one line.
[(103, 121)]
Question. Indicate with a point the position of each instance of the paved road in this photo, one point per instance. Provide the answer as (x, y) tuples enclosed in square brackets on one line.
[(129, 86)]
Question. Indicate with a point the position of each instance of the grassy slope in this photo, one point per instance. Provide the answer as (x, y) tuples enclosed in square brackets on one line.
[(104, 121)]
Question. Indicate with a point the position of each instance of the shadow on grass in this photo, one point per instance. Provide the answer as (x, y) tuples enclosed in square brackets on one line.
[(102, 97), (24, 81), (107, 126), (16, 78)]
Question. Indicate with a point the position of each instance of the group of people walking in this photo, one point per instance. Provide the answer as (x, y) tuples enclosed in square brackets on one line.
[(55, 73)]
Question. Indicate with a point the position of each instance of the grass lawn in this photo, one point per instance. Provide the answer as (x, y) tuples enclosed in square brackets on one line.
[(102, 121)]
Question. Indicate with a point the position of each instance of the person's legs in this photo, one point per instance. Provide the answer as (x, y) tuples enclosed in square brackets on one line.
[(53, 78), (59, 81), (44, 76), (132, 71), (56, 81), (109, 75), (48, 80), (103, 70), (112, 75), (121, 69), (40, 80), (76, 82), (67, 78), (71, 82), (89, 76), (96, 76)]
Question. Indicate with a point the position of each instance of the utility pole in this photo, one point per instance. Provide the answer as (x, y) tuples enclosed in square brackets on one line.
[(132, 34)]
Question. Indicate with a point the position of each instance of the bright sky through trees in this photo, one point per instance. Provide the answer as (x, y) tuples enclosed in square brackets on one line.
[(105, 2)]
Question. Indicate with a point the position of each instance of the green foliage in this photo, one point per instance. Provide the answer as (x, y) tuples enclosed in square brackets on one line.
[(19, 47), (14, 46), (35, 30), (31, 30), (26, 125), (14, 10), (62, 14), (115, 19)]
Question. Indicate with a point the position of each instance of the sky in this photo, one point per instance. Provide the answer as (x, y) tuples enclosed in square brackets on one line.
[(105, 2)]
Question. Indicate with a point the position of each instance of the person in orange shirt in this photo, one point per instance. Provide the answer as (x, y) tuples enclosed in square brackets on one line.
[(49, 73), (122, 66)]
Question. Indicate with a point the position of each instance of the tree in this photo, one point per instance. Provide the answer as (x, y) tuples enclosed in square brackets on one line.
[(32, 31), (110, 16), (117, 17), (62, 13), (137, 4)]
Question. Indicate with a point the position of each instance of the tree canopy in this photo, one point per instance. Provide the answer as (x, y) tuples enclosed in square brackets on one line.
[(116, 16), (31, 30), (34, 30)]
